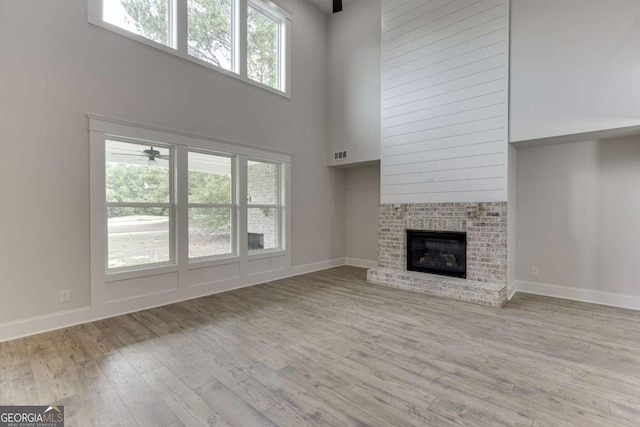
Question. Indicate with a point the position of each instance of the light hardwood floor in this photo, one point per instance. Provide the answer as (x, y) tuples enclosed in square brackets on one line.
[(328, 349)]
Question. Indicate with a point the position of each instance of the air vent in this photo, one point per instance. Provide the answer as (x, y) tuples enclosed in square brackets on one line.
[(340, 155)]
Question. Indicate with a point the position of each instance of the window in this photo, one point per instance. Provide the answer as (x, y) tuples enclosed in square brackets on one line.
[(264, 209), (264, 44), (166, 203), (139, 201), (211, 205), (150, 19), (210, 31), (207, 32)]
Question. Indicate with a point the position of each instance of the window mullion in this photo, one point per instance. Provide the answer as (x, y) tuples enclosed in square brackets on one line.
[(182, 213), (181, 30), (138, 205), (267, 206), (241, 37), (211, 205), (242, 205)]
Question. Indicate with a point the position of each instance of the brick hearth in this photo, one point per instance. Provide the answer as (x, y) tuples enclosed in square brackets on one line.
[(486, 228)]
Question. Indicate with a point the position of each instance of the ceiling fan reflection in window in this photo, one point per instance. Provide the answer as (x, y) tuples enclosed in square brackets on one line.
[(151, 155)]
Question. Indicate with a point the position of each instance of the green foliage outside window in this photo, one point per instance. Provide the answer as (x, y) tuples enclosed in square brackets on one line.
[(210, 33), (150, 184), (150, 18), (262, 48)]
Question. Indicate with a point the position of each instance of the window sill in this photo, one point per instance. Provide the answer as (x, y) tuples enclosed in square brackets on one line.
[(152, 270), (266, 253), (196, 264), (176, 53)]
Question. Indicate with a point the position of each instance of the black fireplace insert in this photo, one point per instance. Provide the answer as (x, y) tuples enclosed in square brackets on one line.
[(437, 252)]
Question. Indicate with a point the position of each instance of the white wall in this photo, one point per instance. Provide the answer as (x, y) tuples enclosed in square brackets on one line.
[(354, 82), (444, 101), (63, 68), (575, 66), (578, 215), (511, 218), (362, 199)]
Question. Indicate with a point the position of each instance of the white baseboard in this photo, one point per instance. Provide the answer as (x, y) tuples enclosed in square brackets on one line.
[(364, 263), (316, 266), (64, 319), (577, 294), (45, 323), (511, 291)]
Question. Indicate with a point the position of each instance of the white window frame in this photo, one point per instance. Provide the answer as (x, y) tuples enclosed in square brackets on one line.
[(178, 34), (279, 206), (232, 206), (152, 285), (171, 206), (273, 12)]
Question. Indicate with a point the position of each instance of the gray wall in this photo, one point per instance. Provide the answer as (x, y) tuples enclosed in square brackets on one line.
[(574, 66), (354, 82), (578, 215), (362, 194), (62, 68)]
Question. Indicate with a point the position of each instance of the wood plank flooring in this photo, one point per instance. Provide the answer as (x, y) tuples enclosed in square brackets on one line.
[(327, 349)]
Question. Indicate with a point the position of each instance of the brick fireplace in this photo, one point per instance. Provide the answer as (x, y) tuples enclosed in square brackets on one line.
[(485, 225)]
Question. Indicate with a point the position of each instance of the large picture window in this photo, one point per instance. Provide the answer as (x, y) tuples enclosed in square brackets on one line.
[(208, 32), (139, 204), (174, 215)]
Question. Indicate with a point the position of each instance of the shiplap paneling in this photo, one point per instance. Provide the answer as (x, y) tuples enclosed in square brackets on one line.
[(444, 100)]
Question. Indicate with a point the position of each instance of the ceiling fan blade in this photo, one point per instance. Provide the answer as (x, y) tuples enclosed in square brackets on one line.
[(337, 6), (127, 154)]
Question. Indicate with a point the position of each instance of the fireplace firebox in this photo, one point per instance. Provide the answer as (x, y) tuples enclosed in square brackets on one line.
[(437, 252)]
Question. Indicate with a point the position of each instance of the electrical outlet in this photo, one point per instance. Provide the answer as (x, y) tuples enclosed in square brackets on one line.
[(65, 295), (535, 271)]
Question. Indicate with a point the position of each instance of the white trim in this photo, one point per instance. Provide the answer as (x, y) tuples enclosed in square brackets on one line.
[(45, 323), (511, 292), (140, 131), (110, 294), (179, 44), (363, 263), (576, 294), (64, 319), (266, 253)]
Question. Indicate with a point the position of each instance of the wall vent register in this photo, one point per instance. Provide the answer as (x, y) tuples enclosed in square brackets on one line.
[(340, 155)]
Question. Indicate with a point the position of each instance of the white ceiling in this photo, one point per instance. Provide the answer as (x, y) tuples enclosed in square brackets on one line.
[(327, 5)]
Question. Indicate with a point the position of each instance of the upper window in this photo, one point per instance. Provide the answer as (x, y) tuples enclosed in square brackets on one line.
[(210, 31), (148, 18), (264, 44), (207, 32)]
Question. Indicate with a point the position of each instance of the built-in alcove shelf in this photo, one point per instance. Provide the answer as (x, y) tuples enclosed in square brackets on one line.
[(596, 135), (490, 294)]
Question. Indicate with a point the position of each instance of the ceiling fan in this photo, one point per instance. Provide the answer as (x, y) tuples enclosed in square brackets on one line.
[(150, 154), (337, 6)]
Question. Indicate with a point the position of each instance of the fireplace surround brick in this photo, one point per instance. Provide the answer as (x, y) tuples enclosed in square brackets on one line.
[(484, 223)]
